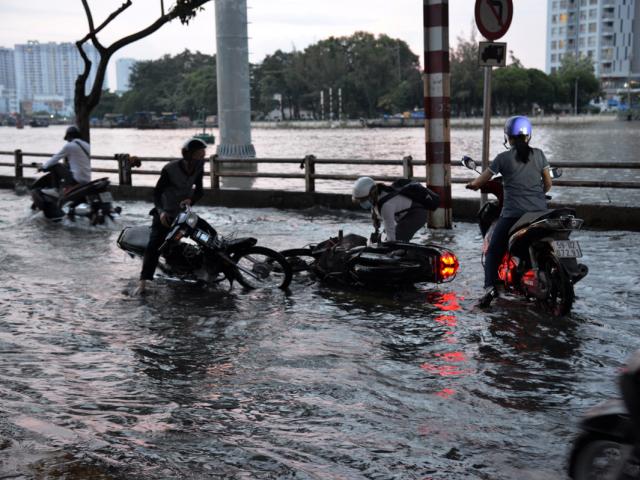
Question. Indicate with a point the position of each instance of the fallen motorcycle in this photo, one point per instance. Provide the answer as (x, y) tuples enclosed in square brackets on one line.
[(194, 254), (347, 259)]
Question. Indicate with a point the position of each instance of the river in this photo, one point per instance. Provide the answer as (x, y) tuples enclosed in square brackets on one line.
[(600, 141)]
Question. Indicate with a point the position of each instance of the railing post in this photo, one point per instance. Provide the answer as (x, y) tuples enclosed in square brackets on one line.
[(124, 169), (17, 156), (309, 172), (214, 167), (407, 166)]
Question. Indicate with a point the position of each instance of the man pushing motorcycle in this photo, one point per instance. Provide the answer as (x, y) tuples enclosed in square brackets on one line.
[(179, 185)]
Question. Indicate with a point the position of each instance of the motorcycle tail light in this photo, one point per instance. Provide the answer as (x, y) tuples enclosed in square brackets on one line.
[(447, 266), (506, 268), (571, 222)]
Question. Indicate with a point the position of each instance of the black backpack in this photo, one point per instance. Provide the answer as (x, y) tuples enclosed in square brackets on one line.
[(414, 191)]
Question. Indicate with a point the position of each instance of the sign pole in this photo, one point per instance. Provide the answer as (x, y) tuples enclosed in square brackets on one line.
[(486, 124)]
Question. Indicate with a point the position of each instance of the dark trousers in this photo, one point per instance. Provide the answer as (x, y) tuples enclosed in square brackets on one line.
[(158, 234), (410, 223), (61, 176), (497, 246)]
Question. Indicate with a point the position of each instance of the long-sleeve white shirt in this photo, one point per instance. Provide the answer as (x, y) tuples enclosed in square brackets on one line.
[(79, 161), (388, 214)]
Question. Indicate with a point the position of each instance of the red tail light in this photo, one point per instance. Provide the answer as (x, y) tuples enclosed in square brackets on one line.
[(507, 266), (447, 266)]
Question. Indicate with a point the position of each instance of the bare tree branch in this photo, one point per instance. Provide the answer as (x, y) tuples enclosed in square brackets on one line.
[(93, 32)]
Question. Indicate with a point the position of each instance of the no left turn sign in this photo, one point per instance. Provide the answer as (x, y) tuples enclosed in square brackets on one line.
[(493, 17)]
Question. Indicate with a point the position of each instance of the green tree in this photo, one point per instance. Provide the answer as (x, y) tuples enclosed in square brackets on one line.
[(466, 78), (576, 73)]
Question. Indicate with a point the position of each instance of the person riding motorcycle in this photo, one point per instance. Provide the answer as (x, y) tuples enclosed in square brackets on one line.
[(179, 185), (76, 170), (401, 216), (526, 178)]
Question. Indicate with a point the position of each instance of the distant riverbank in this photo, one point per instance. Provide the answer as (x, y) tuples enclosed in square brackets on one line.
[(457, 122)]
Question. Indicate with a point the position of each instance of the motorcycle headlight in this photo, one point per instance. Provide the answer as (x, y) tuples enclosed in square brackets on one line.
[(192, 219)]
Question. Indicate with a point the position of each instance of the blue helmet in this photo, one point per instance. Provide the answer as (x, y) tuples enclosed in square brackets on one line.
[(516, 126)]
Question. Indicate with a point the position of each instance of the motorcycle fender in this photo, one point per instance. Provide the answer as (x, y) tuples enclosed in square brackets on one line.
[(610, 420)]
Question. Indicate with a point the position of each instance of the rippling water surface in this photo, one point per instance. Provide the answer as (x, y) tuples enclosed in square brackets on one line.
[(316, 384)]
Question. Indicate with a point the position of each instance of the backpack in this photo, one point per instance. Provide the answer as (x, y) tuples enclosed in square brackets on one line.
[(413, 190)]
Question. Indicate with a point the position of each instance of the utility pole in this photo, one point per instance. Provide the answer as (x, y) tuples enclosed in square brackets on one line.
[(437, 107), (575, 100)]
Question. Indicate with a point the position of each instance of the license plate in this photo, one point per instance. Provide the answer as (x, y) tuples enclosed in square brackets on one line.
[(105, 197), (567, 249)]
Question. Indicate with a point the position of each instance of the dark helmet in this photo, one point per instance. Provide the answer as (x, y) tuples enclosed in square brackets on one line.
[(72, 132), (192, 145), (516, 126)]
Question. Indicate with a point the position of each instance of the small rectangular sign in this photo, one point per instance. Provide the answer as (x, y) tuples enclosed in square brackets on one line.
[(492, 54), (567, 249)]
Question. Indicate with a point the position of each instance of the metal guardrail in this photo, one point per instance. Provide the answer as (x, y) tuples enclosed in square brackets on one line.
[(125, 169)]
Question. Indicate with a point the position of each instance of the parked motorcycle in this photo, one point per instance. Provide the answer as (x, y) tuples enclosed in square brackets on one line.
[(91, 200), (193, 254), (609, 445), (347, 259), (541, 261)]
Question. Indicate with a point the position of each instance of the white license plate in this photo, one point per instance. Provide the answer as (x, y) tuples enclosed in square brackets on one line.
[(567, 249), (105, 197)]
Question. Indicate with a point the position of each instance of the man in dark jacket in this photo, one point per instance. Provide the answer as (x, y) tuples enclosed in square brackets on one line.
[(180, 184)]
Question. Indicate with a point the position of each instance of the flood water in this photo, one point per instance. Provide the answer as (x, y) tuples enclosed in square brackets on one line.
[(319, 383)]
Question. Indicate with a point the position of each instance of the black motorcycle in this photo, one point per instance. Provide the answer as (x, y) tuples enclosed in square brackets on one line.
[(541, 261), (609, 445), (197, 254), (91, 200), (347, 259)]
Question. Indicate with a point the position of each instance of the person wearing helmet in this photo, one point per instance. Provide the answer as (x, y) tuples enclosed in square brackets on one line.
[(400, 216), (179, 185), (525, 178), (76, 169)]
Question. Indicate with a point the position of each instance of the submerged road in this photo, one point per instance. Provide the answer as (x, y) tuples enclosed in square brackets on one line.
[(315, 384)]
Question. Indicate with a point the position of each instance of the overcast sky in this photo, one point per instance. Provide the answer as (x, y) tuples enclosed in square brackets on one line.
[(273, 24)]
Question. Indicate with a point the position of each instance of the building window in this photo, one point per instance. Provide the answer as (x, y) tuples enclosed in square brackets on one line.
[(554, 45), (561, 44), (554, 57), (593, 28), (593, 13)]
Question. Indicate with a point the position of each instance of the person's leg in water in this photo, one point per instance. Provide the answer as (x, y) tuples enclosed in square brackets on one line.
[(408, 225), (497, 247), (152, 253)]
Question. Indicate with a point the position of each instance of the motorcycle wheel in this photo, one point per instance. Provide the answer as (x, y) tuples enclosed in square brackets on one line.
[(600, 459), (560, 295), (300, 259), (261, 267)]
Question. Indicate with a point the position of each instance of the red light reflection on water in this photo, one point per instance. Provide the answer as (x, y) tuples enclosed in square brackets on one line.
[(447, 364)]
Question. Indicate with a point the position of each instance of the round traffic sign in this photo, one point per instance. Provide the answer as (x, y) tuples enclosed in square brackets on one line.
[(493, 17)]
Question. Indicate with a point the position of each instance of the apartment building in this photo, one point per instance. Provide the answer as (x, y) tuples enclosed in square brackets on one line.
[(50, 70), (123, 72), (604, 30)]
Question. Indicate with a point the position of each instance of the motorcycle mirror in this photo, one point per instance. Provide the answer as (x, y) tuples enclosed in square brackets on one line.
[(468, 162), (556, 172)]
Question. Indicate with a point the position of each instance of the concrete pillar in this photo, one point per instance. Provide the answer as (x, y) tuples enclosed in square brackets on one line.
[(232, 60), (437, 107)]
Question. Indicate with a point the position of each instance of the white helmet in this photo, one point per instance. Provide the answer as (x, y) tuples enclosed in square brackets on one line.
[(362, 188)]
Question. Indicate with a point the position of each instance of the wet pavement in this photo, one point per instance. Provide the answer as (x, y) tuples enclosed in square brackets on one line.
[(319, 383)]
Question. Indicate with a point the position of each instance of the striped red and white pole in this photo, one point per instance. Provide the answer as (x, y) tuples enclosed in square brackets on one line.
[(437, 107)]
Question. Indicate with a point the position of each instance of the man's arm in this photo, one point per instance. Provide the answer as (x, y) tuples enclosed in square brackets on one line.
[(56, 158), (389, 221), (163, 182), (546, 178)]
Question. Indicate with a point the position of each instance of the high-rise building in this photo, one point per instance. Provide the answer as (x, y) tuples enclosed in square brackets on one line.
[(123, 72), (602, 30), (7, 68), (51, 69)]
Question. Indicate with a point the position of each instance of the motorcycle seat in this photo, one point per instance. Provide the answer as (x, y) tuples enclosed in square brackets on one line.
[(531, 217), (376, 259), (134, 239)]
